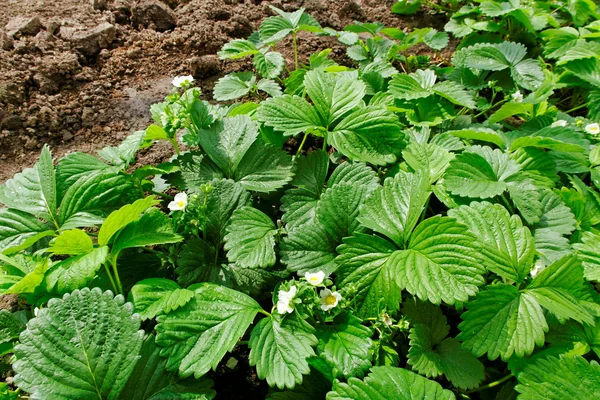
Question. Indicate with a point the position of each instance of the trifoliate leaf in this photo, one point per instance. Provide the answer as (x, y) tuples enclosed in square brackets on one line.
[(385, 383), (152, 228), (588, 251), (265, 168), (280, 347), (250, 238), (561, 378), (150, 380), (365, 269), (156, 296), (75, 272), (370, 135), (233, 86), (440, 263), (346, 344), (309, 248), (502, 321), (195, 337), (506, 245), (394, 209), (122, 217), (60, 345), (333, 95), (289, 114), (124, 154), (228, 140)]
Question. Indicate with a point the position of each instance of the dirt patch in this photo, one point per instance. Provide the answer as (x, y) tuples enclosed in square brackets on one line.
[(81, 75)]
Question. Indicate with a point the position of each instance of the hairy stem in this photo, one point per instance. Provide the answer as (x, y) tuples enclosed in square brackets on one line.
[(113, 264), (301, 144), (295, 51), (491, 385), (176, 145)]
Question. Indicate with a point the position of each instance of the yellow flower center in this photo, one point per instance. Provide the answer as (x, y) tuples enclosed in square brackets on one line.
[(180, 203), (330, 300)]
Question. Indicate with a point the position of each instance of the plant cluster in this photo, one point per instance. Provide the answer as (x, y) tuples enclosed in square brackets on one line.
[(394, 227)]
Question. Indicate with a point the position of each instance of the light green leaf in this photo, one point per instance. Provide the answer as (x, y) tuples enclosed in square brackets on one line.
[(588, 251), (268, 86), (150, 380), (413, 86), (265, 168), (455, 93), (273, 29), (124, 154), (553, 378), (238, 48), (370, 135), (557, 138), (502, 321), (75, 272), (346, 344), (233, 86), (61, 355), (440, 263), (366, 270), (427, 157), (384, 383), (333, 95), (155, 296), (122, 217), (394, 209), (228, 140), (17, 227), (507, 247), (269, 65), (195, 337), (280, 347), (73, 242), (250, 238), (289, 114), (152, 228), (155, 132)]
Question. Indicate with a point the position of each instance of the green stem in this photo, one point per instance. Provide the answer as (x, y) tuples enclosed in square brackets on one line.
[(325, 142), (112, 281), (243, 343), (295, 52), (491, 385), (176, 145), (265, 313), (576, 108), (113, 263), (163, 195), (302, 144)]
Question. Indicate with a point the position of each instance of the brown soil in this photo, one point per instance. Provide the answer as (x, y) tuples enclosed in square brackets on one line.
[(85, 74)]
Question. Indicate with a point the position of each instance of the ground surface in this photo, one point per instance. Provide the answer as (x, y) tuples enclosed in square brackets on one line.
[(85, 74)]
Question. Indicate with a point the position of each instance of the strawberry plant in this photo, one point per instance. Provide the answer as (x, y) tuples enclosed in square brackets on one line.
[(343, 230)]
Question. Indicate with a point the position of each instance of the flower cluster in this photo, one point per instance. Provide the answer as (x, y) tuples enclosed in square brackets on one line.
[(327, 300)]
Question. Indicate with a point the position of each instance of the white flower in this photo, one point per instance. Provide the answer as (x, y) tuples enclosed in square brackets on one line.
[(36, 311), (329, 299), (517, 96), (284, 300), (316, 278), (387, 320), (537, 268), (592, 129), (180, 81), (560, 122), (179, 203)]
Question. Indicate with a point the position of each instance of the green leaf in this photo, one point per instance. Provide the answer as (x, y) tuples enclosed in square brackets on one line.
[(558, 138), (289, 114), (228, 140), (384, 383), (195, 171), (195, 337), (152, 228), (553, 378), (311, 172), (269, 65), (338, 209), (427, 157), (394, 209), (440, 263), (122, 217), (406, 7), (346, 344), (333, 95), (123, 155), (472, 175), (481, 134), (299, 207), (250, 238), (265, 168), (75, 272), (268, 86), (237, 48), (73, 242), (502, 321), (150, 380), (155, 296), (22, 275), (588, 252), (17, 227), (11, 326), (233, 86), (197, 262), (98, 190), (507, 247), (280, 347), (413, 86), (365, 269), (61, 355), (34, 189), (309, 248), (370, 135), (273, 29)]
